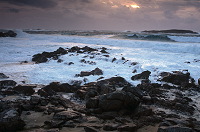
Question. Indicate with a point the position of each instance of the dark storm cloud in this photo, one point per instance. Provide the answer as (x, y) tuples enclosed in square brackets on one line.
[(33, 3), (13, 10)]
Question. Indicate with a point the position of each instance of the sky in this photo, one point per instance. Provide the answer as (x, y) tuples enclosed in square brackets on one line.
[(119, 15)]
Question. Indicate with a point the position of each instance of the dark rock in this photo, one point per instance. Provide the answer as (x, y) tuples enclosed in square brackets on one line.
[(39, 58), (177, 78), (26, 90), (143, 75), (54, 123), (92, 103), (104, 51), (54, 87), (89, 129), (97, 71), (174, 129), (43, 57), (134, 63), (110, 105), (60, 60), (134, 90), (118, 100), (7, 84), (110, 127), (85, 73), (199, 81), (108, 115), (3, 76), (127, 128), (35, 100), (67, 115), (8, 33), (114, 59), (10, 121)]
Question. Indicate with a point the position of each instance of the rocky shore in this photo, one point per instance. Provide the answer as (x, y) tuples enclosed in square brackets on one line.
[(111, 104)]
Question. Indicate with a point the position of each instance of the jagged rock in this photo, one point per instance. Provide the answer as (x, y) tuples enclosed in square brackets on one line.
[(143, 75), (174, 129), (7, 84), (54, 87), (67, 115), (3, 76), (177, 78), (43, 57), (10, 121), (26, 90)]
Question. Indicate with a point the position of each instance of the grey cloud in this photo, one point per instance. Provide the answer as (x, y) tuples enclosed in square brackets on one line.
[(33, 3), (13, 10)]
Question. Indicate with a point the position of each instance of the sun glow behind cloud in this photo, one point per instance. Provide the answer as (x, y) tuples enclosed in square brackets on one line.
[(120, 3)]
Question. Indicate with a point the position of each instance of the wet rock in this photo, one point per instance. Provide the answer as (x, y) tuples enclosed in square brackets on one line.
[(174, 129), (199, 81), (10, 121), (92, 103), (8, 33), (89, 129), (143, 75), (134, 90), (110, 127), (85, 73), (26, 90), (54, 87), (104, 51), (3, 76), (97, 71), (118, 100), (43, 57), (7, 84), (60, 60), (67, 115), (114, 59), (127, 128), (177, 78)]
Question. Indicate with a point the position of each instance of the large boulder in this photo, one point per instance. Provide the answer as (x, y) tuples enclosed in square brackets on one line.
[(144, 75), (26, 90), (177, 78), (10, 121), (114, 101)]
